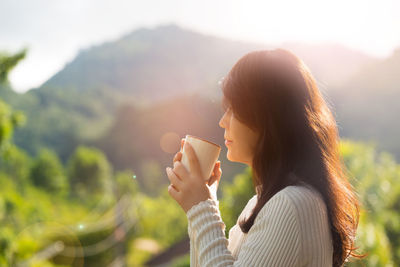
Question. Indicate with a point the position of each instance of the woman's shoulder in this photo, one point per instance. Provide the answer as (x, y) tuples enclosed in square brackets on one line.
[(302, 199), (302, 194)]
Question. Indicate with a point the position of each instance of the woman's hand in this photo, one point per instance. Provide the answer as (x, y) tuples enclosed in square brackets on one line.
[(216, 173), (190, 188)]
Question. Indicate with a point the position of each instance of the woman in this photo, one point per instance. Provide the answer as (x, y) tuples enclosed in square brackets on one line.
[(305, 212)]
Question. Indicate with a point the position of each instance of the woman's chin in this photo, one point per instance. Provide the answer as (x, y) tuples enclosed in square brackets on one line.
[(232, 158), (229, 156)]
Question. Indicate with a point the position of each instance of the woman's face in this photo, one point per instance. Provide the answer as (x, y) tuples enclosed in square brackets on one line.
[(243, 139)]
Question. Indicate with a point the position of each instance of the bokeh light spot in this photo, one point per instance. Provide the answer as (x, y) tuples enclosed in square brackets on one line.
[(170, 142)]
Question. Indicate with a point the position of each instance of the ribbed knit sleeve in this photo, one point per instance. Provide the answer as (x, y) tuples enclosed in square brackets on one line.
[(206, 230), (273, 240), (290, 230)]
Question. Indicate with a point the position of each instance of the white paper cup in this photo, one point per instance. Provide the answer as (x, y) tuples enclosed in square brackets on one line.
[(207, 152)]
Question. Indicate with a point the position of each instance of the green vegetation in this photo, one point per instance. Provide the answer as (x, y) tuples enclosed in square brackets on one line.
[(48, 173), (8, 62), (375, 177), (9, 119), (88, 172), (34, 218)]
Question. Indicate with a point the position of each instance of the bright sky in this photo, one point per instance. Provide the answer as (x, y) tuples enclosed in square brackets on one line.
[(55, 30)]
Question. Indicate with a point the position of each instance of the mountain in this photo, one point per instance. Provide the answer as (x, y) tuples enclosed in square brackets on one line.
[(367, 104), (331, 64), (148, 65), (148, 68)]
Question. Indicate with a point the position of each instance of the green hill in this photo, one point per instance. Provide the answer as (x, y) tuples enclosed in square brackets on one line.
[(367, 104), (153, 66)]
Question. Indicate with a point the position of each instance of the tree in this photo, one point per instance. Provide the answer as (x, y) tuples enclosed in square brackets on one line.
[(16, 163), (8, 119), (89, 171), (375, 178), (8, 62), (125, 184), (47, 172)]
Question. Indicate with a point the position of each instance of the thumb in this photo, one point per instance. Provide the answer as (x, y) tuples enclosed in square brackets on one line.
[(216, 176)]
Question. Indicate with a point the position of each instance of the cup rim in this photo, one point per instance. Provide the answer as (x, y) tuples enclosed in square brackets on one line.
[(203, 140)]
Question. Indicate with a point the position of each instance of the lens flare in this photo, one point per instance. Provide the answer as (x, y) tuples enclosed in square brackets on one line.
[(170, 142)]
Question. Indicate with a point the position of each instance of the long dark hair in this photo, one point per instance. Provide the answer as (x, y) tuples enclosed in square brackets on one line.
[(274, 93)]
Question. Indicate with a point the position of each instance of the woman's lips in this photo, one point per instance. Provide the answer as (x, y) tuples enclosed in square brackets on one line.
[(227, 142)]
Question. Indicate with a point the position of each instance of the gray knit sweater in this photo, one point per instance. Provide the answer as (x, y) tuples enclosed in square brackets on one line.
[(292, 229)]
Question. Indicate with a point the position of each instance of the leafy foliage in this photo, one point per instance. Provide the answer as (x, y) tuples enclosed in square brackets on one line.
[(8, 62), (9, 119), (88, 171), (48, 173), (375, 177)]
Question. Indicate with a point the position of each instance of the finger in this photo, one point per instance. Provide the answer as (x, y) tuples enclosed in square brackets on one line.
[(217, 165), (180, 170), (215, 178), (217, 168), (174, 179), (173, 192), (216, 174), (193, 160), (182, 143), (178, 156), (211, 180)]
